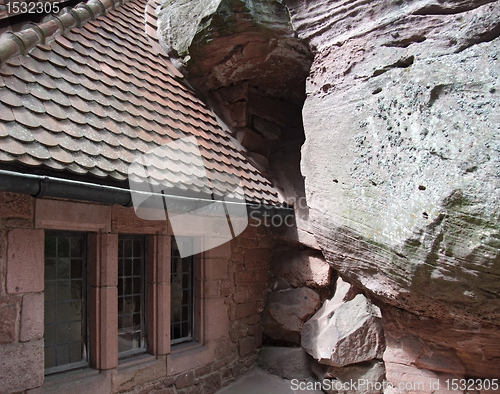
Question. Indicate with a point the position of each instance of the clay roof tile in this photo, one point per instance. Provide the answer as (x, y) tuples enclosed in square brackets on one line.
[(104, 94)]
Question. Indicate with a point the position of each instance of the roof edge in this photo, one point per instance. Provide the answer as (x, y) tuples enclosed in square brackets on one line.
[(40, 186), (23, 42)]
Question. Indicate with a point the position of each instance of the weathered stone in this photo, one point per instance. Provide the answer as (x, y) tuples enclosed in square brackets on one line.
[(234, 93), (21, 366), (9, 312), (286, 311), (439, 345), (184, 380), (31, 317), (349, 334), (268, 129), (25, 262), (368, 376), (400, 153), (223, 43), (211, 383), (286, 362), (253, 141), (13, 205), (246, 345), (296, 268)]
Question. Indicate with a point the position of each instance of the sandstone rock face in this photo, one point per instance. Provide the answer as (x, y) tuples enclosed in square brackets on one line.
[(286, 311), (296, 268), (344, 334), (286, 362), (401, 168), (402, 151), (221, 42)]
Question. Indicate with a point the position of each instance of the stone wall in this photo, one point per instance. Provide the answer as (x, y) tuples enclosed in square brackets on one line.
[(231, 287), (21, 297)]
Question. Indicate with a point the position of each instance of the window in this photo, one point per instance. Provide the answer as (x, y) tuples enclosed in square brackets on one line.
[(181, 327), (65, 314), (131, 295)]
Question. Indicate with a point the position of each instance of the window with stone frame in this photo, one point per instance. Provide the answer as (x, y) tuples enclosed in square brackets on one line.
[(65, 309), (182, 294), (131, 295)]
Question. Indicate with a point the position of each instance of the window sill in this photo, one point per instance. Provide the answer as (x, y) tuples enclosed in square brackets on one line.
[(191, 347), (66, 381), (133, 361)]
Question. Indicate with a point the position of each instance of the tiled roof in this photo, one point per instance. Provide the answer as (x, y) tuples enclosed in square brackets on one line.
[(98, 96)]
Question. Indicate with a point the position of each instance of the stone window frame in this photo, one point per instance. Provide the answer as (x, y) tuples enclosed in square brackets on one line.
[(103, 223), (102, 264)]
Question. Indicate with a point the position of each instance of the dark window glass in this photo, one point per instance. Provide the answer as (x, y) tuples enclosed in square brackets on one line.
[(64, 312), (181, 326), (131, 299)]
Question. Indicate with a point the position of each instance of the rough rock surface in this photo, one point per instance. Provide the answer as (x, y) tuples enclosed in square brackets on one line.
[(286, 311), (368, 377), (222, 42), (292, 267), (402, 152), (433, 345), (286, 362), (344, 334)]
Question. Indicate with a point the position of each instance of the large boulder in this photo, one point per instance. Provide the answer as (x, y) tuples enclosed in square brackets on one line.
[(346, 334), (286, 311), (297, 267), (402, 152), (224, 42)]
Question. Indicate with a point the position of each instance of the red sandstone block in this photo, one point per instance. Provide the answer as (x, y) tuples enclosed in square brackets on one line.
[(244, 310), (217, 319), (31, 317), (109, 327), (65, 215), (216, 268), (257, 258), (21, 366), (163, 259), (247, 243), (9, 306), (19, 206), (184, 380), (104, 327), (246, 346), (226, 288), (25, 261), (244, 278), (163, 316), (212, 289), (103, 260), (261, 275), (124, 220), (222, 251)]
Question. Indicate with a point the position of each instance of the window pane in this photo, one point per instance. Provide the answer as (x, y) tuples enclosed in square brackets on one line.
[(64, 309), (181, 311), (131, 279)]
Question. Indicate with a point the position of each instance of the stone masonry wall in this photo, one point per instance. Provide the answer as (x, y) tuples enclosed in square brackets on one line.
[(235, 280), (21, 301), (243, 290)]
